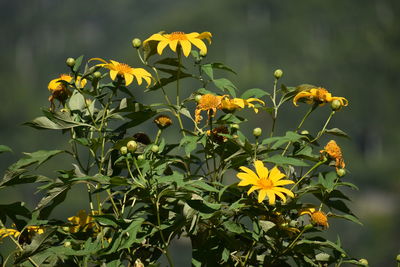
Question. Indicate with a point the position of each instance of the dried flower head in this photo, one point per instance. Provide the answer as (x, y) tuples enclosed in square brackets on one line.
[(333, 151), (163, 121), (317, 217), (209, 103), (215, 134)]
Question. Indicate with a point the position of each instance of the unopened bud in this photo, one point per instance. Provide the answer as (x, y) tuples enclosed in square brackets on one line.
[(97, 75), (304, 132), (235, 126), (197, 98), (336, 104), (132, 146), (67, 244), (398, 258), (364, 262), (154, 148), (257, 132), (341, 172), (70, 62), (136, 43), (308, 227), (123, 150), (141, 157), (278, 73)]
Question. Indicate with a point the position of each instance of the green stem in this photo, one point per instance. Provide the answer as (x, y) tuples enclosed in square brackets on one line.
[(309, 171), (249, 253), (320, 133), (275, 114), (166, 252), (157, 136)]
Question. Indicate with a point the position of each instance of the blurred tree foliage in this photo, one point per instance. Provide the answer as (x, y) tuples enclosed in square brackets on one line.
[(348, 46)]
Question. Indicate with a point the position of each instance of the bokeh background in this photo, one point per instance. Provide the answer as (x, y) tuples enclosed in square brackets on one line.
[(350, 47)]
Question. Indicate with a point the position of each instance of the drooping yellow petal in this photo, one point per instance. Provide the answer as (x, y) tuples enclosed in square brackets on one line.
[(160, 47), (249, 171), (260, 169), (254, 187), (282, 196), (262, 194), (205, 35), (155, 37), (129, 79), (283, 182), (113, 74), (173, 44), (199, 44), (271, 197), (186, 47), (284, 190)]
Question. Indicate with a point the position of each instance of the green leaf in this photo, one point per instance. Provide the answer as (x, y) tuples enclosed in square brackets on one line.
[(190, 143), (348, 217), (38, 157), (207, 68), (78, 63), (15, 211), (203, 185), (233, 227), (226, 86), (266, 225), (203, 206), (77, 101), (176, 178), (282, 161), (222, 66), (169, 61), (136, 118), (53, 197), (254, 92), (4, 148), (337, 132)]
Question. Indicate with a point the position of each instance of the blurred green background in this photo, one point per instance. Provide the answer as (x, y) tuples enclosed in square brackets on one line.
[(349, 47)]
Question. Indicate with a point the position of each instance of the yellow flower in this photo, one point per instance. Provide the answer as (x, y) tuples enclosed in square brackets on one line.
[(334, 152), (318, 95), (8, 232), (182, 39), (317, 217), (60, 91), (82, 222), (267, 182), (209, 103), (229, 105), (125, 71)]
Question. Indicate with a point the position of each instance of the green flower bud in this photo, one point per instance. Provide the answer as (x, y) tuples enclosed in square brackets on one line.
[(132, 146), (257, 132), (70, 62), (154, 148), (278, 73), (123, 150), (304, 132), (364, 262), (67, 244), (197, 98), (336, 105), (141, 157), (97, 75), (136, 43), (308, 227), (235, 126), (398, 258), (322, 256), (341, 172)]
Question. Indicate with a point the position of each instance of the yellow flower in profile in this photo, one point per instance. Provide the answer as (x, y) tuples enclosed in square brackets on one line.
[(268, 182), (59, 90), (317, 217), (209, 103), (230, 105), (82, 222), (181, 39), (127, 72), (9, 232), (163, 121), (318, 95), (334, 152)]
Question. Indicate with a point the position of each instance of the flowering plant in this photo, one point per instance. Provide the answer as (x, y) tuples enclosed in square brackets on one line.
[(241, 198)]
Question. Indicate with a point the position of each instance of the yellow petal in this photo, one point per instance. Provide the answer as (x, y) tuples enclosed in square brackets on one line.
[(240, 102), (154, 37), (113, 74), (271, 197), (205, 35), (99, 59), (254, 187), (256, 100), (275, 174), (186, 47), (246, 179), (299, 96), (173, 44), (282, 196), (261, 170), (283, 182), (129, 79), (245, 169), (160, 47), (262, 194), (284, 190), (199, 44)]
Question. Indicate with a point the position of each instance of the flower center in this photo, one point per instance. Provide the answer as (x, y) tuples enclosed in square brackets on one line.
[(265, 183), (122, 68), (177, 36), (319, 218), (209, 101)]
